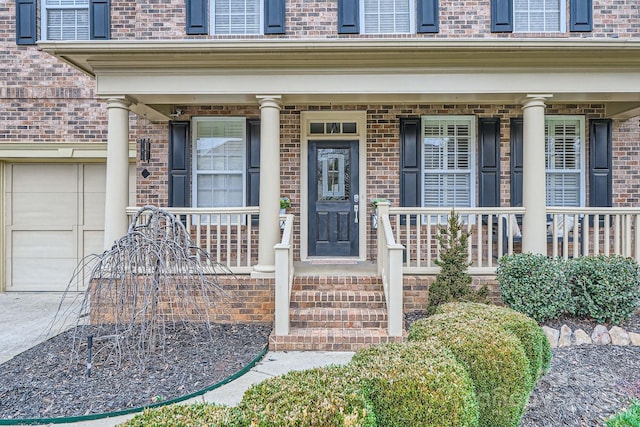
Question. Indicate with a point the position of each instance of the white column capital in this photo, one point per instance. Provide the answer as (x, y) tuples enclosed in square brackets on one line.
[(269, 101), (118, 102), (535, 100)]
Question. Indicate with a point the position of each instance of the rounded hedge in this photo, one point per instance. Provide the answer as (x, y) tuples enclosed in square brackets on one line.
[(201, 414), (417, 384), (322, 397), (532, 337), (494, 358)]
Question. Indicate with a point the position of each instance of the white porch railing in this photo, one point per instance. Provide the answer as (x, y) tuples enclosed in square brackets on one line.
[(390, 269), (493, 232), (229, 235), (574, 232), (284, 277)]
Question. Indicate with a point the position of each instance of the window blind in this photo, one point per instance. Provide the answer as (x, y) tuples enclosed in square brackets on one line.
[(237, 17), (537, 15), (564, 160), (387, 16)]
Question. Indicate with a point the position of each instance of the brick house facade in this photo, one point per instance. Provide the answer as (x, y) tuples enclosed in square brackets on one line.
[(154, 67)]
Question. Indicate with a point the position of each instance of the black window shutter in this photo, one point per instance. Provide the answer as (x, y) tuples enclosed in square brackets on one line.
[(197, 22), (501, 16), (26, 25), (410, 162), (253, 162), (274, 16), (517, 135), (600, 169), (489, 161), (348, 17), (99, 12), (179, 194), (581, 15), (428, 16)]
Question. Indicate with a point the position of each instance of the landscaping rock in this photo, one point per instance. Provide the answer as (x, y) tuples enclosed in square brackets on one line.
[(635, 338), (580, 337), (619, 336), (565, 336), (600, 335), (552, 335)]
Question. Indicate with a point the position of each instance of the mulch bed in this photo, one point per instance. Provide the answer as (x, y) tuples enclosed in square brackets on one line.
[(50, 379)]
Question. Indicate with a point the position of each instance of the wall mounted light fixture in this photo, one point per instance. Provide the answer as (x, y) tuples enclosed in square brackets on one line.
[(145, 149)]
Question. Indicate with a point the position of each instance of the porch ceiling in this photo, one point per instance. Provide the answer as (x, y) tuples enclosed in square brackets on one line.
[(158, 75)]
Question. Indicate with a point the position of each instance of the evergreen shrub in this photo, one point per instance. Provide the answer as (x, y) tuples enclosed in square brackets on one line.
[(606, 288), (417, 384), (494, 358), (534, 285)]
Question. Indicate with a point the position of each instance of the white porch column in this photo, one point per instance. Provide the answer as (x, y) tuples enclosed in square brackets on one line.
[(269, 229), (534, 237), (117, 182)]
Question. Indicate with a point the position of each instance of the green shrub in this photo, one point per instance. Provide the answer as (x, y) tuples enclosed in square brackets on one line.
[(417, 384), (453, 283), (532, 337), (201, 414), (534, 285), (494, 358), (604, 287), (630, 417), (321, 397)]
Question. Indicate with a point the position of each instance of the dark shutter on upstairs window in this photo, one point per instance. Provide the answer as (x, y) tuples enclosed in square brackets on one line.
[(197, 22), (581, 15), (517, 134), (274, 15), (253, 162), (501, 16), (348, 17), (100, 21), (600, 169), (410, 164), (489, 161), (428, 16), (179, 182), (26, 25)]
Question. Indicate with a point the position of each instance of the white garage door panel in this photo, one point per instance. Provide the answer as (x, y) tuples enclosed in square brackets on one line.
[(28, 178), (54, 217), (41, 209), (92, 242), (44, 244), (50, 274)]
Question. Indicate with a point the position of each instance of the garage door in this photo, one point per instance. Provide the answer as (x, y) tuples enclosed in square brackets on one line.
[(55, 217)]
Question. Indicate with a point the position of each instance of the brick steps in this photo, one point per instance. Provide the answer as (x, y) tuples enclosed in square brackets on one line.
[(330, 339), (335, 313)]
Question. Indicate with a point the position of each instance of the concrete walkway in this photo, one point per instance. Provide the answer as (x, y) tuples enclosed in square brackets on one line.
[(25, 319)]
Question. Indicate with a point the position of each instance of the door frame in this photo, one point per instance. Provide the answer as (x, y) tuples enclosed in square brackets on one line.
[(360, 119)]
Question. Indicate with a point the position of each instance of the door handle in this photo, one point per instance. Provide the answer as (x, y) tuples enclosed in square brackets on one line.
[(355, 211)]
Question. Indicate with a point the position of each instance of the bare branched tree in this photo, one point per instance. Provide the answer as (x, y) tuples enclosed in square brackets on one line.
[(153, 282)]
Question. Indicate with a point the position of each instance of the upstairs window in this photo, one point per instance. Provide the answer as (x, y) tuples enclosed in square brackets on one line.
[(236, 17), (539, 16), (565, 163), (65, 20), (448, 161), (387, 16)]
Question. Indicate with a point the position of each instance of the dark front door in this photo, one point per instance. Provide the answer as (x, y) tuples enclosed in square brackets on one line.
[(333, 198)]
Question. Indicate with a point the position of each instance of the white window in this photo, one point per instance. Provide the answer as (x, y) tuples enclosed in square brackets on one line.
[(565, 160), (219, 161), (387, 16), (539, 16), (236, 17), (448, 161), (65, 20)]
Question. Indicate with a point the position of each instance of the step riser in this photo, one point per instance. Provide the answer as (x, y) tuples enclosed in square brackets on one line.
[(296, 343), (339, 324), (330, 283), (339, 304)]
